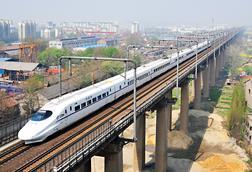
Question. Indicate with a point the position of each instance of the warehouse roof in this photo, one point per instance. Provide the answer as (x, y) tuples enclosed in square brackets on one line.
[(18, 66)]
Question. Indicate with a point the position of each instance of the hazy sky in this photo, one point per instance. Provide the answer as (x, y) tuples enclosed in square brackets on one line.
[(148, 12)]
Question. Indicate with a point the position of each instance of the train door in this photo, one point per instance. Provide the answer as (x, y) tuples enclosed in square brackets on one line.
[(115, 91)]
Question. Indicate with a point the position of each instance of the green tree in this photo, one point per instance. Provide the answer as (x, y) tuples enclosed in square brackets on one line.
[(110, 52), (50, 56), (100, 52), (137, 59), (112, 68), (248, 70), (238, 108), (87, 53), (30, 86), (85, 80)]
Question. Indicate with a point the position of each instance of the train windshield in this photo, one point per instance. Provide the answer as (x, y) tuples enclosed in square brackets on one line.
[(41, 115)]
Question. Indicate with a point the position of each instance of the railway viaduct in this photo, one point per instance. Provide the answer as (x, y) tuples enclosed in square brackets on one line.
[(208, 71), (99, 134)]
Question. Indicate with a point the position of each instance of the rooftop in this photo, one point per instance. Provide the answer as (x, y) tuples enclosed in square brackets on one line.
[(18, 66)]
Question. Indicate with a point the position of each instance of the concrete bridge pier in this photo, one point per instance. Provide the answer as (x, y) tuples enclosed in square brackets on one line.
[(197, 90), (206, 81), (114, 158), (84, 167), (212, 64), (139, 146), (170, 102), (218, 59), (114, 162), (113, 154), (221, 61), (184, 107), (161, 136)]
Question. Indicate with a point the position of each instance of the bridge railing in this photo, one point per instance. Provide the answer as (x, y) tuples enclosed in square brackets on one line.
[(9, 130), (82, 146)]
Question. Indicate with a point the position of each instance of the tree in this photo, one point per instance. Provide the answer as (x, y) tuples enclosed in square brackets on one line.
[(112, 68), (248, 69), (110, 52), (2, 103), (137, 59), (134, 39), (238, 108), (87, 53), (30, 87), (42, 44), (85, 79), (235, 61), (101, 52), (50, 56)]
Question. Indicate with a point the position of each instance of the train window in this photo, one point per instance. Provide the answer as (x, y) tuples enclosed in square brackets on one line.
[(83, 105), (104, 95), (99, 97), (107, 93), (77, 108), (88, 102), (120, 87), (65, 111), (41, 115), (110, 89), (94, 99), (70, 108)]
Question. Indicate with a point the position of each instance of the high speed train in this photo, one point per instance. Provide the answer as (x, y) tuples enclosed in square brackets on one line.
[(61, 112)]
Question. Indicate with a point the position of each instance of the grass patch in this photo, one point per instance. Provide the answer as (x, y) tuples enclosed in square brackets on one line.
[(174, 94), (215, 93)]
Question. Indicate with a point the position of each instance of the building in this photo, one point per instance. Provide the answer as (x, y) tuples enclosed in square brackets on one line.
[(83, 42), (4, 30), (12, 70), (107, 42), (49, 34), (5, 59), (27, 30), (248, 93), (76, 42), (89, 27), (248, 133), (135, 27)]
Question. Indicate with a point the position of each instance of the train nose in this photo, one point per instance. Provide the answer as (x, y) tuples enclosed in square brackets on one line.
[(25, 134), (28, 132)]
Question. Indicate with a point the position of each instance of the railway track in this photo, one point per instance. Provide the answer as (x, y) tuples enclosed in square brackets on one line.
[(33, 155), (12, 151)]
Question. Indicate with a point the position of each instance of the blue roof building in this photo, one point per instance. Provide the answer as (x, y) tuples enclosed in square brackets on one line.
[(5, 59)]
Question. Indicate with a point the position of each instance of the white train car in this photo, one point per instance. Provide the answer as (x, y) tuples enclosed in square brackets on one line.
[(64, 111)]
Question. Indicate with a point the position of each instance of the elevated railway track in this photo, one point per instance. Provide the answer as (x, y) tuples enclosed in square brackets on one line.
[(86, 137)]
